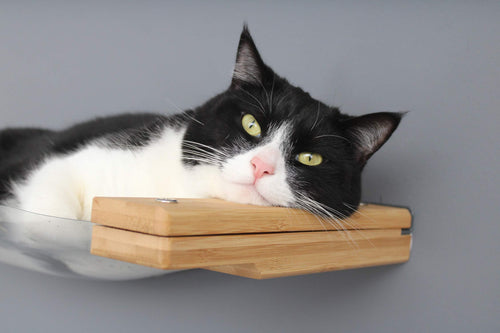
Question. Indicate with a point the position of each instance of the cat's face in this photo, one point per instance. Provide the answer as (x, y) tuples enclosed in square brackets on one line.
[(273, 144)]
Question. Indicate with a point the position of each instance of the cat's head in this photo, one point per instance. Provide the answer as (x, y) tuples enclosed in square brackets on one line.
[(273, 144)]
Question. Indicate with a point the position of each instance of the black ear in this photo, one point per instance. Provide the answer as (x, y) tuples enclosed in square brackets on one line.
[(249, 67), (369, 132)]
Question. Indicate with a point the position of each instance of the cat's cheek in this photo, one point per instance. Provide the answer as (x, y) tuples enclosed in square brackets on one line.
[(238, 170)]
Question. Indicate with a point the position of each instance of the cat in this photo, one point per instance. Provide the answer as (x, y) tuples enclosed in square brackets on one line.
[(262, 141)]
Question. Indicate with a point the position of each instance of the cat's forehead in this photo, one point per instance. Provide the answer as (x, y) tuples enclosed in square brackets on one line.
[(281, 98), (279, 101), (299, 109)]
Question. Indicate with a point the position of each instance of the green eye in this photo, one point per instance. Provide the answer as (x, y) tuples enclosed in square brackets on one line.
[(250, 125), (310, 159)]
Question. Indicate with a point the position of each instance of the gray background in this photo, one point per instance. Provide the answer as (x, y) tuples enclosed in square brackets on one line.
[(61, 63)]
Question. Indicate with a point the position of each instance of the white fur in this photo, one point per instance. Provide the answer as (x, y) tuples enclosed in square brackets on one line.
[(64, 186), (270, 189)]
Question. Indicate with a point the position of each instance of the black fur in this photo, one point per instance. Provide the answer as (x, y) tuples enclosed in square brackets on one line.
[(318, 128), (345, 142), (21, 150)]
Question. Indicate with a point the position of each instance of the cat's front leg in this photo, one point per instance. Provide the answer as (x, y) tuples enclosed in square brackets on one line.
[(52, 197)]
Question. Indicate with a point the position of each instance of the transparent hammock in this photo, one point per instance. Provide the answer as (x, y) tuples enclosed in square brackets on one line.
[(59, 247)]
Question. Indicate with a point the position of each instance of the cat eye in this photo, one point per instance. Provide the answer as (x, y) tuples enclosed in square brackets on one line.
[(250, 125), (310, 159)]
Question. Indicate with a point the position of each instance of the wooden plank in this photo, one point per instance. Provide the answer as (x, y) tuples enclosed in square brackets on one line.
[(191, 217), (395, 252), (272, 255)]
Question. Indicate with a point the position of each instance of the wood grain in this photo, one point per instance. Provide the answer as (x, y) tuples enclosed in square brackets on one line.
[(191, 217), (271, 254), (394, 252), (245, 240)]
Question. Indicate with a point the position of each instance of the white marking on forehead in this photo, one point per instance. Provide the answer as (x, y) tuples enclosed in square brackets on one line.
[(279, 137), (273, 150)]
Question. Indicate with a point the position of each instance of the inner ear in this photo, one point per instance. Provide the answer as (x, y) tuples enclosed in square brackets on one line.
[(369, 132), (249, 67)]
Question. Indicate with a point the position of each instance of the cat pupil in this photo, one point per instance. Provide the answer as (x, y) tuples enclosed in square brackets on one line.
[(46, 171)]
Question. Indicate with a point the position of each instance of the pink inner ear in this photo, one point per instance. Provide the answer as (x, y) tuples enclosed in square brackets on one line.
[(260, 168)]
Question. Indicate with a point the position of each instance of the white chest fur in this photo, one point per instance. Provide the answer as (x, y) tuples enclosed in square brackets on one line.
[(65, 185)]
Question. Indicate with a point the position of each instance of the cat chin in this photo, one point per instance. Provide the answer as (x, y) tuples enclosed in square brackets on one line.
[(244, 194), (262, 193)]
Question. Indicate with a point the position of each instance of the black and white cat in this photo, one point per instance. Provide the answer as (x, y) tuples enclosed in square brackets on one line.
[(262, 141)]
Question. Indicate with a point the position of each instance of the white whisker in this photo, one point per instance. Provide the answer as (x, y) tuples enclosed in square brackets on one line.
[(332, 216), (261, 106), (317, 117), (332, 136)]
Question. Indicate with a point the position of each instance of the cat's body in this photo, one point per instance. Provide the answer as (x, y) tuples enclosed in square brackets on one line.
[(262, 141), (22, 150), (99, 158)]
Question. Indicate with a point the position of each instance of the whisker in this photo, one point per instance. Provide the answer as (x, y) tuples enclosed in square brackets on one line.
[(272, 91), (262, 109), (311, 206), (194, 119), (317, 118), (252, 104), (261, 84), (169, 101), (331, 135), (198, 154), (283, 97), (351, 223), (195, 159), (198, 144), (333, 214)]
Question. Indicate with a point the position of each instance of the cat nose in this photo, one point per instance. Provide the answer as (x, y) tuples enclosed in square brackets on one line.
[(260, 168)]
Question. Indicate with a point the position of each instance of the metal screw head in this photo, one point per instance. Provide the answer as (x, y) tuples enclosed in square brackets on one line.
[(166, 200)]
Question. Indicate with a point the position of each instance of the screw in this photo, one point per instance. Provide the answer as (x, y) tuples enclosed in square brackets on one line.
[(166, 200)]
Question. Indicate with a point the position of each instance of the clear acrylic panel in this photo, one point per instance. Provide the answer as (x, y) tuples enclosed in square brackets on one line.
[(60, 247)]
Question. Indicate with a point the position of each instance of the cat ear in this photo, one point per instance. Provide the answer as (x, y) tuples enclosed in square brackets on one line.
[(369, 132), (249, 67)]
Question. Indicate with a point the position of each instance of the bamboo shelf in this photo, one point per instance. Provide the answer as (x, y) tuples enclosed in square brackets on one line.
[(245, 240)]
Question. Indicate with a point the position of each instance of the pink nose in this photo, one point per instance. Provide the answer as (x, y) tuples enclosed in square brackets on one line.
[(260, 168)]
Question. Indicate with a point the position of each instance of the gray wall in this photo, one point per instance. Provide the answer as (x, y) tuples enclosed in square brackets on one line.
[(62, 63)]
